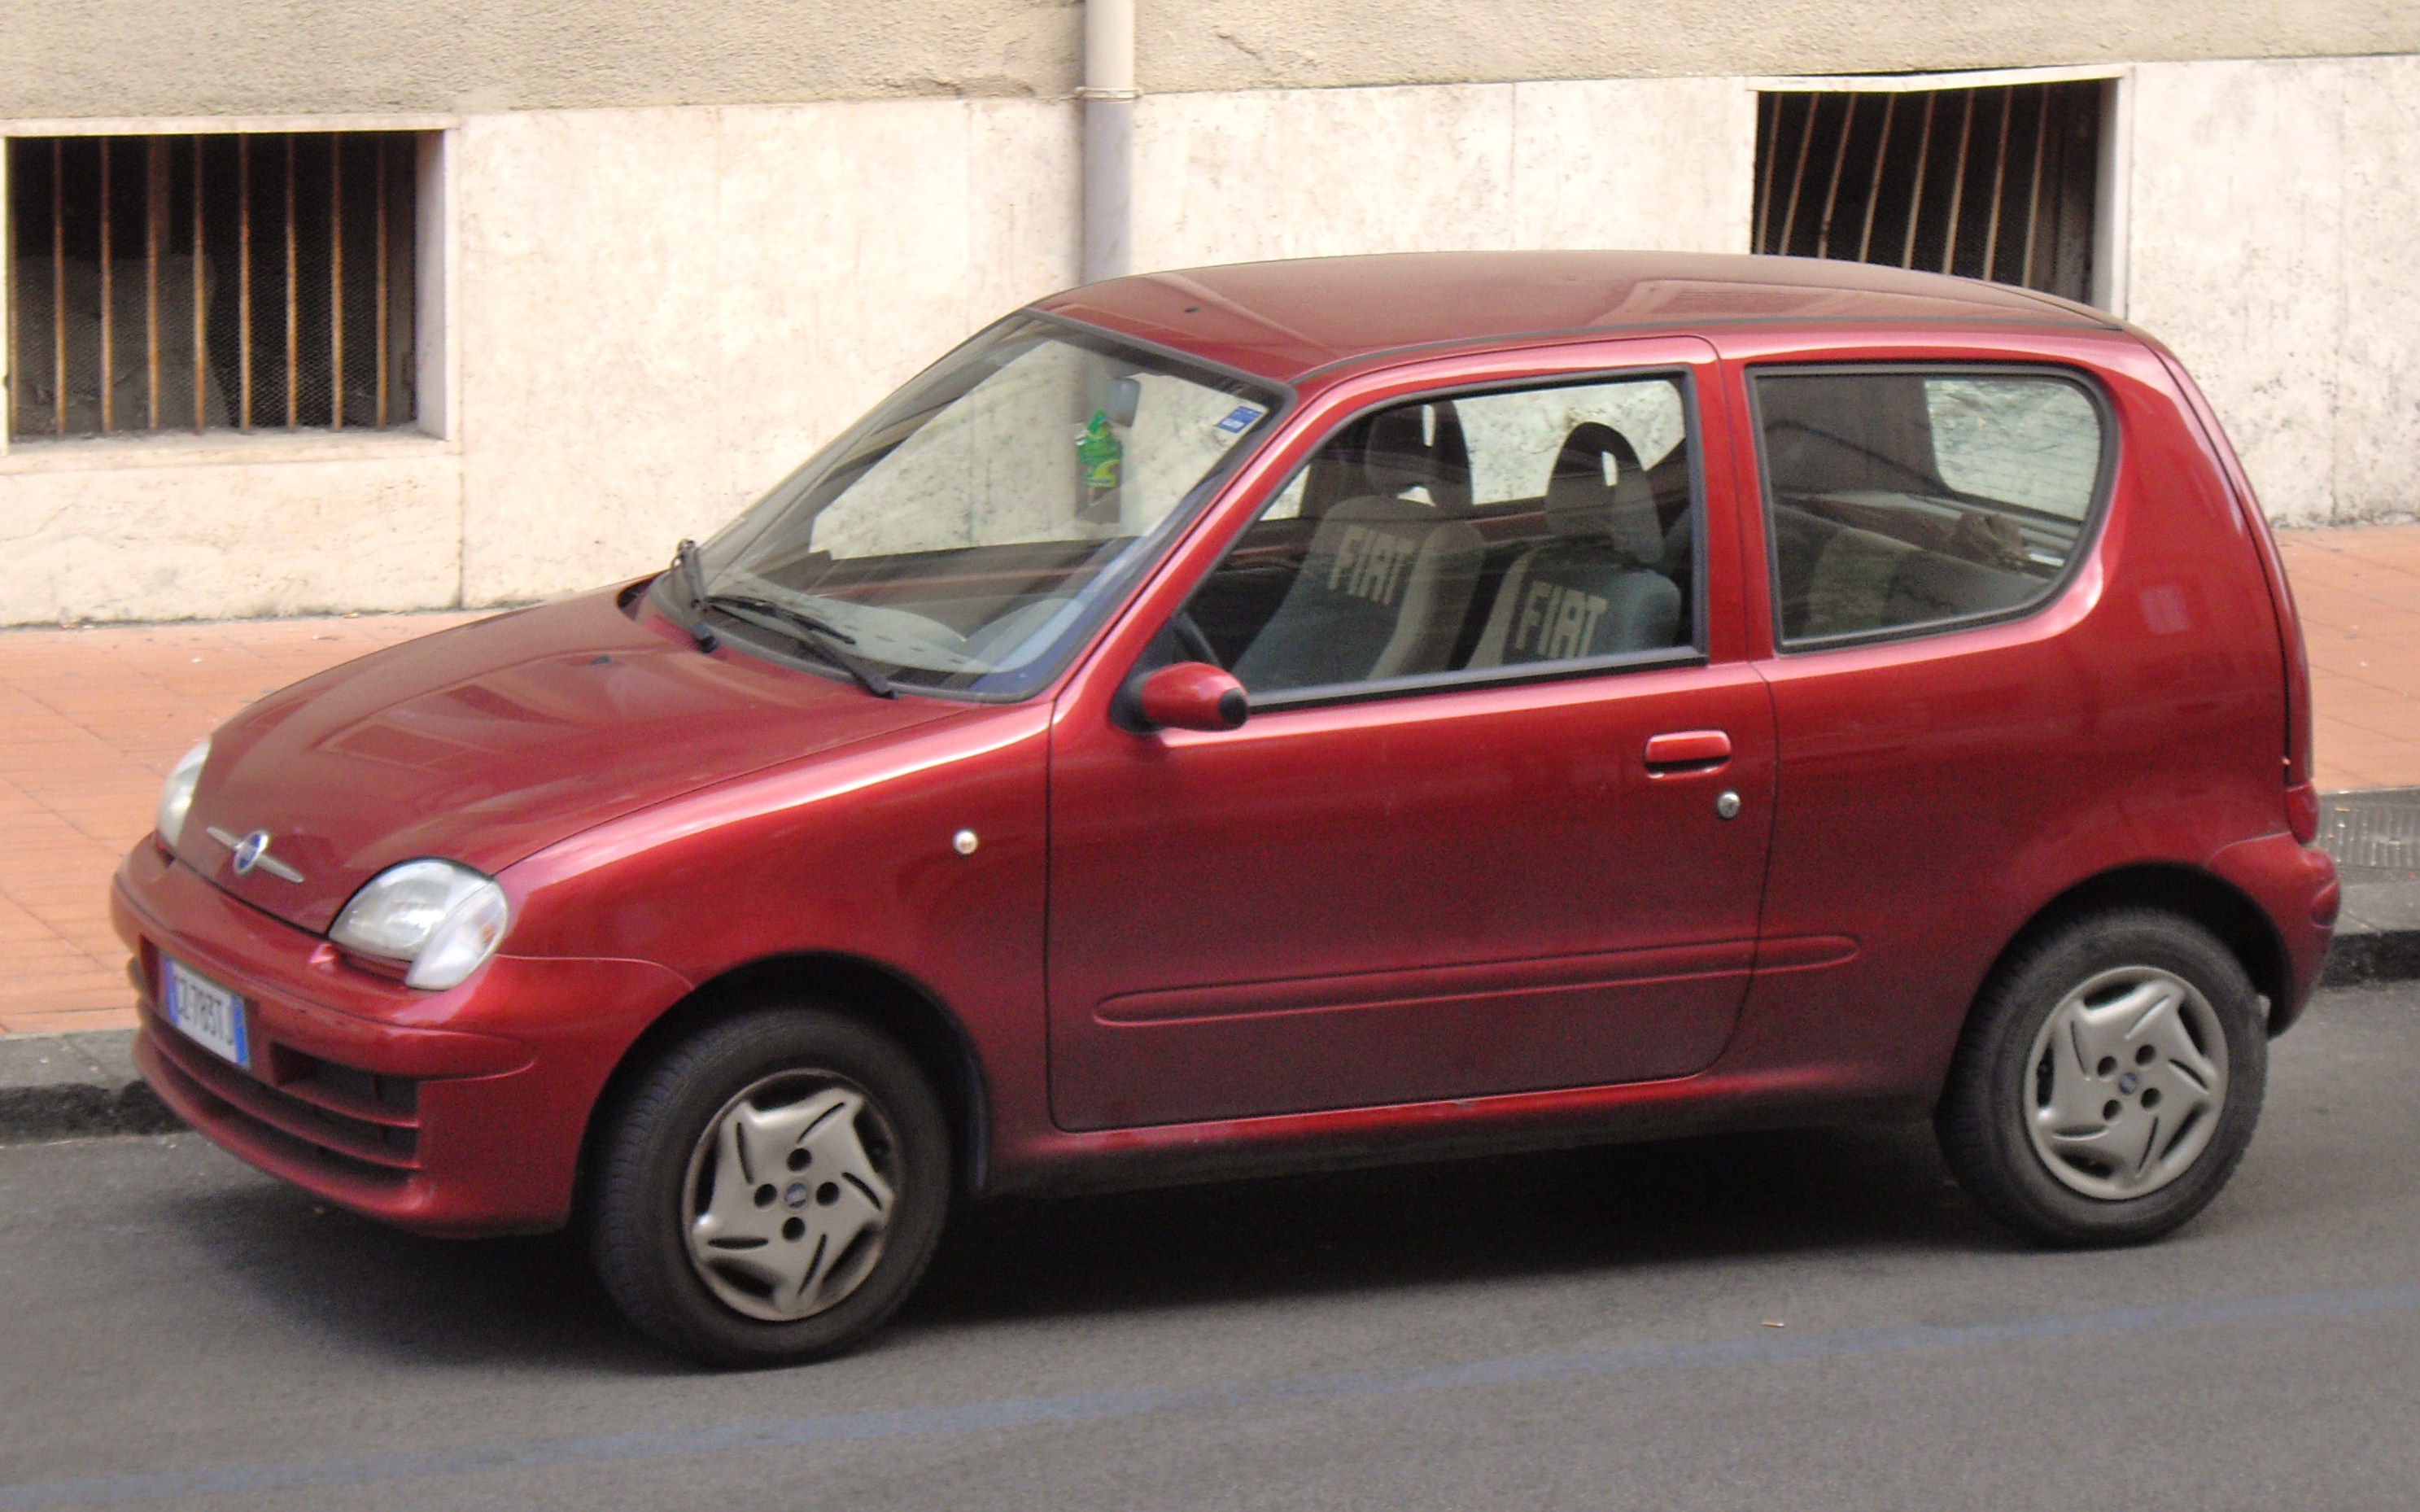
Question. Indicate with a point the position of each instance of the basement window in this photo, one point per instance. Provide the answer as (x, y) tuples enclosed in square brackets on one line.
[(234, 281), (2000, 183)]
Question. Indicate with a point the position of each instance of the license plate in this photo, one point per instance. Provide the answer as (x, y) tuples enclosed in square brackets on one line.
[(209, 1014)]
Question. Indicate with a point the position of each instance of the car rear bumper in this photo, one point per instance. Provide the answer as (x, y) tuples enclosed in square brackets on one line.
[(2295, 885), (453, 1112)]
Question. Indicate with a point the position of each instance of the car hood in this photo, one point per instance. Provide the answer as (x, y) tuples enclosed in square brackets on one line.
[(485, 743)]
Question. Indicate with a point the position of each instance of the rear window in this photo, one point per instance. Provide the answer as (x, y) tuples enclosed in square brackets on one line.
[(1899, 500)]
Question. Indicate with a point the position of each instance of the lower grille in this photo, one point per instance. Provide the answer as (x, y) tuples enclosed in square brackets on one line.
[(368, 1125)]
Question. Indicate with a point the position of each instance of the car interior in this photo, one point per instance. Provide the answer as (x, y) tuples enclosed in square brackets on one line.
[(1386, 569), (1866, 534), (1377, 564)]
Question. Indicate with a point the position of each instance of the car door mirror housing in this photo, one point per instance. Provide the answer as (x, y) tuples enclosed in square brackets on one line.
[(1193, 695)]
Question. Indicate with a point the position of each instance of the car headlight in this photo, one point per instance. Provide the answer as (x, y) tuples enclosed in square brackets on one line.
[(441, 917), (176, 793)]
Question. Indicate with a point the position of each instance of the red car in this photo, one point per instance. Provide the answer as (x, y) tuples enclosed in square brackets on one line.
[(1298, 714)]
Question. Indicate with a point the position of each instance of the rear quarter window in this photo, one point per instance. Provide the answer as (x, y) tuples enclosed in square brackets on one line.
[(1900, 500), (2028, 442)]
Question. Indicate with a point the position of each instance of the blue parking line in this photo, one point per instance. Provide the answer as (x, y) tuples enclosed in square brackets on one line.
[(1765, 1348)]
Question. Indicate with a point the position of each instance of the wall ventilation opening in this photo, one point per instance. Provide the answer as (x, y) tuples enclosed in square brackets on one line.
[(221, 282), (1998, 183)]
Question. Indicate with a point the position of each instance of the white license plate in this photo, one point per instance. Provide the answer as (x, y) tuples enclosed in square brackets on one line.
[(209, 1014)]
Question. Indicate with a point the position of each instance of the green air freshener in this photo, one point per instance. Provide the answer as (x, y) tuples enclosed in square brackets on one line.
[(1100, 452)]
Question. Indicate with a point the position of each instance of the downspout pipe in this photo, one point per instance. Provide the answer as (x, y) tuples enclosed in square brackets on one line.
[(1108, 95)]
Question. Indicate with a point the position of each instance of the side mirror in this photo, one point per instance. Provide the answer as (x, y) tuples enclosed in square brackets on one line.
[(1193, 695)]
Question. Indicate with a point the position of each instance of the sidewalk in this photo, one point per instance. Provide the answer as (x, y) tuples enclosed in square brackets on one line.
[(93, 719), (2359, 594)]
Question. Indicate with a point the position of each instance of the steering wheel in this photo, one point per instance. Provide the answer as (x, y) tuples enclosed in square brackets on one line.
[(1196, 646)]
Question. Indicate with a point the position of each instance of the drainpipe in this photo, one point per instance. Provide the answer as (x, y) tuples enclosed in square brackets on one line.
[(1109, 96)]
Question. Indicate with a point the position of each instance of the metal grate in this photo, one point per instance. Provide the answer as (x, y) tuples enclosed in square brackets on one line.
[(1996, 183), (197, 283), (2379, 829)]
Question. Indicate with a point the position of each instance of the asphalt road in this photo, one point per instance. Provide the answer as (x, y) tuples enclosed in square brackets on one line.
[(1576, 1330)]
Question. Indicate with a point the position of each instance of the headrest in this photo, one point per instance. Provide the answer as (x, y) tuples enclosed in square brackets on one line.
[(1395, 452), (1449, 461), (1411, 446), (1584, 503)]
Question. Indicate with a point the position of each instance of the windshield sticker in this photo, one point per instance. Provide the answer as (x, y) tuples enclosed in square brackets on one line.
[(1239, 419), (1098, 448)]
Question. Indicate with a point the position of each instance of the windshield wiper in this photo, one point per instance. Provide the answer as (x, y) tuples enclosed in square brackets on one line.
[(693, 580), (818, 637)]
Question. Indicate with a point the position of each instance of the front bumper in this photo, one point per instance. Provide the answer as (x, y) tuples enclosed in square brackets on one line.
[(451, 1112)]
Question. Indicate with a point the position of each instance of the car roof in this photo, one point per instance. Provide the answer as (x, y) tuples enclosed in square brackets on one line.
[(1287, 320)]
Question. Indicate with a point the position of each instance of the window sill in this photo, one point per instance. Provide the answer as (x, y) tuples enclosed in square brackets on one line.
[(219, 449)]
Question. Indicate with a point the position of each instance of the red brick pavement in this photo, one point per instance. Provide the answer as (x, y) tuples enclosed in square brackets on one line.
[(2359, 594), (92, 719)]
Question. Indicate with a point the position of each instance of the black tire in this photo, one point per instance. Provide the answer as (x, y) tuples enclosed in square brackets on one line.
[(1997, 1080), (636, 1208)]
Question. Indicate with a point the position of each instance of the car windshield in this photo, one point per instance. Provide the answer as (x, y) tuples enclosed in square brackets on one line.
[(967, 534)]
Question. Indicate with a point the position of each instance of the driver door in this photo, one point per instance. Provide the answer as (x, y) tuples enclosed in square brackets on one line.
[(1453, 874)]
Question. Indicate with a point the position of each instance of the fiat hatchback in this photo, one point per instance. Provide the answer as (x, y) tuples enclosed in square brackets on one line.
[(1291, 714)]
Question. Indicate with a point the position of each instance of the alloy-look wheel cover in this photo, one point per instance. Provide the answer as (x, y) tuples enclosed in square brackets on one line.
[(788, 1196), (2126, 1083)]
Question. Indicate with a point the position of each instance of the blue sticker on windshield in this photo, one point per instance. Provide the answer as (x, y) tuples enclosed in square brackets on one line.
[(1239, 420)]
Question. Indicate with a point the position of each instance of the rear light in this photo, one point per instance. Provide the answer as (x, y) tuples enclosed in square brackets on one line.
[(2303, 810), (2301, 787)]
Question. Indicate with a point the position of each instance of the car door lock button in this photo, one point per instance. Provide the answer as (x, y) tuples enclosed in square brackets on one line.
[(1728, 805)]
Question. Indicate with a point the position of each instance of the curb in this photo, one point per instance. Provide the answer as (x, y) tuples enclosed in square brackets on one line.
[(36, 1114), (2375, 838), (2366, 957), (76, 1086)]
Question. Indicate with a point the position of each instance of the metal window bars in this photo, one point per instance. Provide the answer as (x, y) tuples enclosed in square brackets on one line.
[(228, 281), (1994, 183)]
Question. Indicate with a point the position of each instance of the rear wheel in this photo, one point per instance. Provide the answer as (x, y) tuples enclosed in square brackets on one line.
[(2108, 1081), (771, 1189)]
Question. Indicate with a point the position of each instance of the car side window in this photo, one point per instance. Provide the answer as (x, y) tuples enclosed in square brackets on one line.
[(1480, 532), (1899, 500)]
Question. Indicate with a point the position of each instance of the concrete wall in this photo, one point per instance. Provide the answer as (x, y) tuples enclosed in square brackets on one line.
[(654, 313), (192, 57), (613, 402), (657, 313), (665, 311), (1275, 44), (2275, 207), (1663, 164), (226, 531)]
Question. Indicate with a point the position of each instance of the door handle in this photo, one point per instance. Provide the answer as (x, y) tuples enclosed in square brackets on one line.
[(1688, 751)]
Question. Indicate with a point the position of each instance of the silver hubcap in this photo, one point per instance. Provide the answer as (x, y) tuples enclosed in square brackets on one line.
[(789, 1193), (2125, 1084)]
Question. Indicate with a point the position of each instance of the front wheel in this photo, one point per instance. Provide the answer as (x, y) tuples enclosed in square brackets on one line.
[(2108, 1081), (771, 1189)]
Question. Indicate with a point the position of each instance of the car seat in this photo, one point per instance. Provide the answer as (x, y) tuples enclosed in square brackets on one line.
[(1381, 590), (1386, 581), (1593, 589)]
